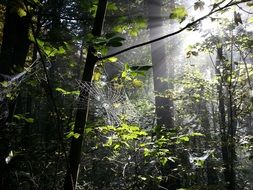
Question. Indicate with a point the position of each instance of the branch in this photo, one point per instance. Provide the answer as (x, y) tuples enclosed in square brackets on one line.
[(231, 3), (244, 10)]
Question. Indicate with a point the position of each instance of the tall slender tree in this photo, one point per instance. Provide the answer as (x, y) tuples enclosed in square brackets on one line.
[(14, 49), (163, 105), (82, 114), (226, 120)]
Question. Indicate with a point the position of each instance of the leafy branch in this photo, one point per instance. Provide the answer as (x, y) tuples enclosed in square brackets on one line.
[(216, 8)]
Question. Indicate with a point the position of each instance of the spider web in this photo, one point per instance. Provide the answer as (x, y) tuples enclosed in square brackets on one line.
[(11, 83), (109, 99), (7, 88)]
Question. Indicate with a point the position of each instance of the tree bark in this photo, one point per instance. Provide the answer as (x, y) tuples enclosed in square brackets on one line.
[(82, 114), (163, 105), (14, 50), (15, 42), (226, 131)]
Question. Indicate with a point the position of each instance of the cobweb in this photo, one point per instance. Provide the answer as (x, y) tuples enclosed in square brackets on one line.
[(11, 83), (197, 161), (109, 99)]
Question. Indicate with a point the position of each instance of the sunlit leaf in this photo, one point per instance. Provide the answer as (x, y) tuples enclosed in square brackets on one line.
[(250, 20), (96, 76), (116, 147), (184, 138), (123, 74), (142, 178), (113, 59), (109, 141), (112, 6), (163, 160), (21, 12), (179, 13), (137, 83), (29, 120), (24, 118), (88, 130), (72, 134)]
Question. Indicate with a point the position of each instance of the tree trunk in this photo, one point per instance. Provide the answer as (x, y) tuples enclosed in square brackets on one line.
[(15, 42), (164, 106), (227, 138), (82, 114), (14, 50)]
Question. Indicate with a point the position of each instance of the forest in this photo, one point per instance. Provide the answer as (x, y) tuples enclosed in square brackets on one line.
[(126, 94)]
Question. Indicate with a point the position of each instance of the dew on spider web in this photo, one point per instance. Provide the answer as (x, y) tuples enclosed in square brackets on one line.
[(108, 100), (11, 83)]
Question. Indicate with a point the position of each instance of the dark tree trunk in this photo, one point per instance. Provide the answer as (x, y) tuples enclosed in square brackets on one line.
[(15, 42), (82, 114), (14, 50), (226, 127), (211, 173)]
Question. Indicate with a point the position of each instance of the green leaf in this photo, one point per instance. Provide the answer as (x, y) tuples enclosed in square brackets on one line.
[(179, 13), (29, 120), (113, 59), (61, 50), (133, 33), (72, 134), (64, 92), (109, 141), (115, 42), (250, 20), (197, 134), (88, 130), (4, 84), (146, 152), (112, 6), (137, 83), (116, 147), (124, 74), (21, 12), (163, 160), (184, 138), (22, 117)]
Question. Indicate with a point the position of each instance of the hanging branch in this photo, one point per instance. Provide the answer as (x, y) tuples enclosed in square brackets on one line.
[(214, 10)]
